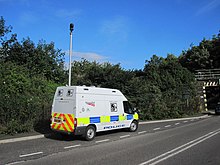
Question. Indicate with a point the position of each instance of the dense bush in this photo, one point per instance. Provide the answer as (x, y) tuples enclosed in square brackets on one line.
[(29, 75), (24, 100)]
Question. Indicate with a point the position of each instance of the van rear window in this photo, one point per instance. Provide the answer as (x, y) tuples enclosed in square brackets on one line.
[(70, 93), (60, 93)]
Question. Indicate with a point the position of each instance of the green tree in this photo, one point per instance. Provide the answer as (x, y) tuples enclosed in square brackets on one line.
[(24, 101), (42, 59), (4, 41), (28, 76), (103, 75), (203, 56), (171, 81)]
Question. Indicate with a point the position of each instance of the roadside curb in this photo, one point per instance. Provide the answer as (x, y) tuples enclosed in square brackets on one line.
[(161, 121), (21, 139), (144, 122)]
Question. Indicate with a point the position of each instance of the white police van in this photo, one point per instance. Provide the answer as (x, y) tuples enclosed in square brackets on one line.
[(82, 110)]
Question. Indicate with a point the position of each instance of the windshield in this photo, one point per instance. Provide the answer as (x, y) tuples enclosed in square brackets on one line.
[(128, 108)]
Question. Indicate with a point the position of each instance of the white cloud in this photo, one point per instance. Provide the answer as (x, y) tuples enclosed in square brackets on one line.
[(116, 27), (89, 56), (208, 7), (86, 55), (77, 56)]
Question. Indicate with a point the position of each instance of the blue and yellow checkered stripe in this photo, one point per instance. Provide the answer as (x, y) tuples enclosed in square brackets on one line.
[(105, 119)]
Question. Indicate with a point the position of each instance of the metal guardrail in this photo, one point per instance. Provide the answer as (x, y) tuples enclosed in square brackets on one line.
[(207, 74)]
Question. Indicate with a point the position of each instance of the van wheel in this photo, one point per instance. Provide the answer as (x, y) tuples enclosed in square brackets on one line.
[(133, 126), (89, 133)]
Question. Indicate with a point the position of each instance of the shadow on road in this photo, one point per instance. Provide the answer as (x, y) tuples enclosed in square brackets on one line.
[(43, 127), (65, 137), (62, 137)]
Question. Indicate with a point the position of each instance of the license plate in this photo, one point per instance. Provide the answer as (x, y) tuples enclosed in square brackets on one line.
[(56, 120)]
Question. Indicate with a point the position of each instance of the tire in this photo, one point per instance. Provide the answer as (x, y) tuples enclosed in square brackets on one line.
[(90, 133), (134, 126)]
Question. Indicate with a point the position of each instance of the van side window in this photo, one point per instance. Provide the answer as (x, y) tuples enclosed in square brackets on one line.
[(114, 107), (127, 107)]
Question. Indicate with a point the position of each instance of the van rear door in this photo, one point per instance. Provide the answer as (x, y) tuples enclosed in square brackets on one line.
[(64, 101), (63, 109)]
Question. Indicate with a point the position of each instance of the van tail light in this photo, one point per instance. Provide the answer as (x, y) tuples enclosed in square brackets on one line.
[(75, 122)]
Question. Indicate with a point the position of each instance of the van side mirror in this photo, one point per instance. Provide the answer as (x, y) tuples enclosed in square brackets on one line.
[(136, 110)]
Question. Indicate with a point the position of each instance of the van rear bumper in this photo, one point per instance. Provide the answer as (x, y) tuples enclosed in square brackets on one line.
[(80, 130)]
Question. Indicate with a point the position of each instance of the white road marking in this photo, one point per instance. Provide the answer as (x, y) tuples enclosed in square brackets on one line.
[(67, 147), (18, 162), (31, 154), (156, 128), (185, 121), (180, 149), (179, 119), (142, 132), (177, 123), (124, 136), (167, 126), (21, 139), (101, 141)]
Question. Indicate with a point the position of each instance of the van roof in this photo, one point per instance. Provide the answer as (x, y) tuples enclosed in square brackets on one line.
[(86, 89)]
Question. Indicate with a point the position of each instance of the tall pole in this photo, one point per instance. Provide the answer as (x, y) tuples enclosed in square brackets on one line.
[(70, 52)]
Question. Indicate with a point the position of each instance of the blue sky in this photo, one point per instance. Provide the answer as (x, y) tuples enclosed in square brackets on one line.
[(116, 31)]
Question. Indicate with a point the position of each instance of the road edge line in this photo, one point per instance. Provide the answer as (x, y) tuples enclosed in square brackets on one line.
[(21, 139), (168, 120)]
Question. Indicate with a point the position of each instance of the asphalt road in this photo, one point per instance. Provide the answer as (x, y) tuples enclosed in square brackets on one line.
[(185, 142)]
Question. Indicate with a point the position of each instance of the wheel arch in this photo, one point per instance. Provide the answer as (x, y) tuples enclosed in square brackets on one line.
[(93, 125), (136, 120)]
